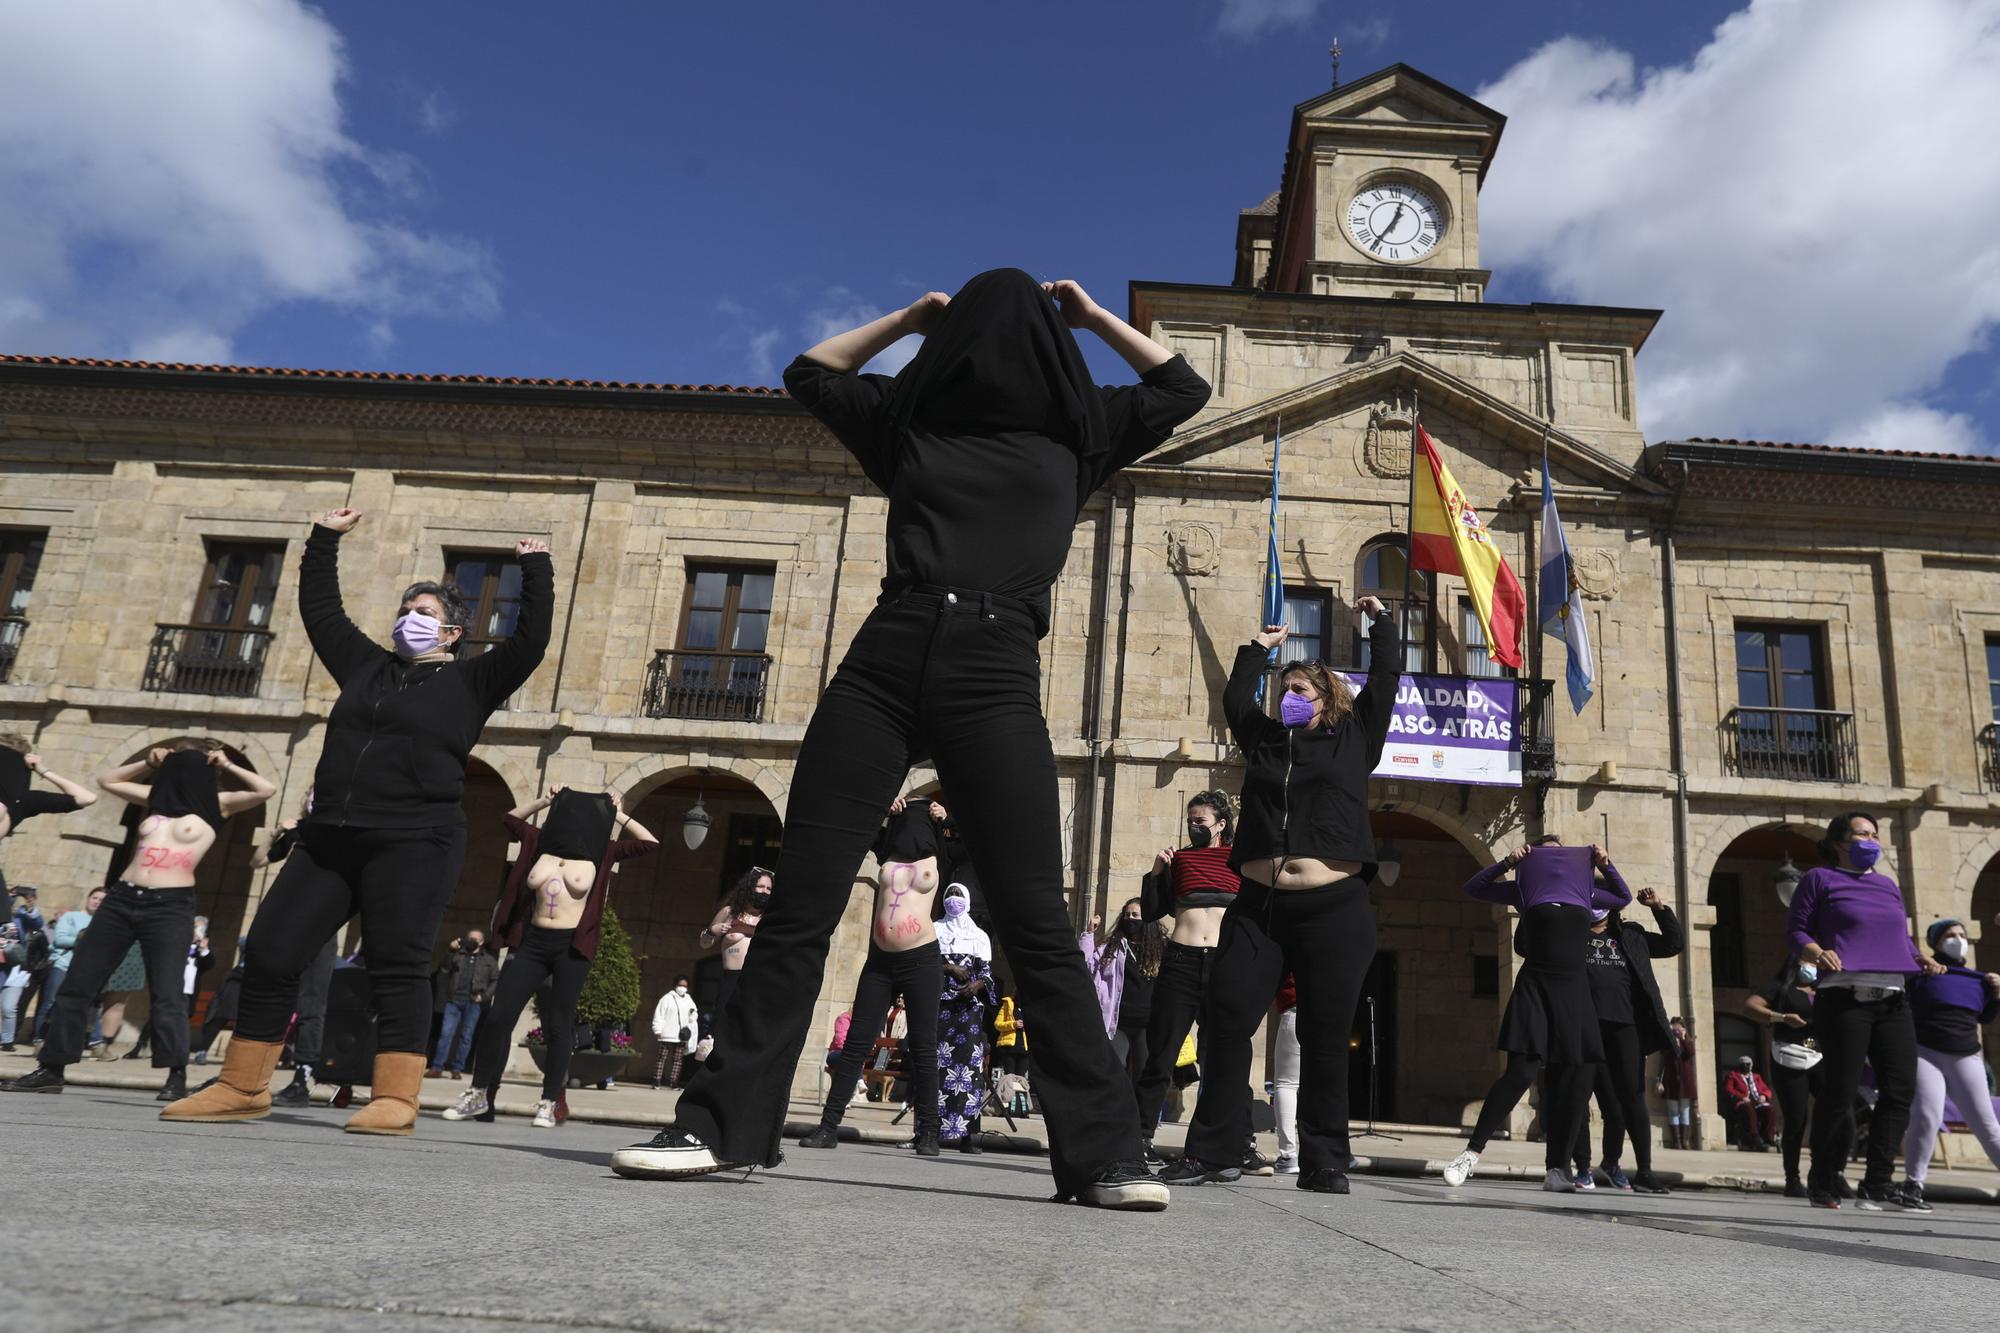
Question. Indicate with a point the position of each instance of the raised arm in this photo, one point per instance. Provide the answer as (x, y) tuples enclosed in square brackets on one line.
[(1671, 939), (1609, 893), (1493, 885), (1247, 720), (506, 666), (856, 347), (257, 788), (633, 830), (1080, 312), (340, 646), (76, 791), (1375, 706), (1137, 417), (534, 807), (133, 783)]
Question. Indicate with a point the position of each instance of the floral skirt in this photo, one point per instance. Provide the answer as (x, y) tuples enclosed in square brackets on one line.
[(961, 1067)]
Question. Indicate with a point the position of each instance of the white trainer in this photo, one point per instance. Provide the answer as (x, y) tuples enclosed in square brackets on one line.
[(1584, 1180), (1287, 1166), (471, 1104), (1557, 1181), (1459, 1169), (668, 1155), (545, 1114)]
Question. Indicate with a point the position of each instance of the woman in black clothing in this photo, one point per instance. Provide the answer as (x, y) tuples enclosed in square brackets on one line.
[(1145, 944), (1632, 1021), (387, 832), (1786, 1007), (988, 445), (1307, 855)]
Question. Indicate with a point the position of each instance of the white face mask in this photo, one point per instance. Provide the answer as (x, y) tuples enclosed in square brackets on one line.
[(1953, 948), (680, 990)]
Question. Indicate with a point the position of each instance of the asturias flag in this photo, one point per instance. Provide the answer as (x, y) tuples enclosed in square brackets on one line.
[(1447, 537), (1274, 582), (1562, 604)]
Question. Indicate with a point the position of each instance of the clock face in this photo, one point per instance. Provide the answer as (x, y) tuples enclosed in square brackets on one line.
[(1395, 222)]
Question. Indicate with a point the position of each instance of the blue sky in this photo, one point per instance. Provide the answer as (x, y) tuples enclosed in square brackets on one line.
[(655, 191)]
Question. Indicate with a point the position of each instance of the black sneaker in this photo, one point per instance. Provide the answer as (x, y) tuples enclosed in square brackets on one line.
[(826, 1136), (299, 1091), (1326, 1180), (1152, 1158), (1911, 1197), (1820, 1198), (1796, 1189), (1256, 1164), (927, 1144), (970, 1143), (39, 1079), (1194, 1171), (668, 1155), (1648, 1183), (175, 1088), (1876, 1198), (1126, 1186), (1841, 1189)]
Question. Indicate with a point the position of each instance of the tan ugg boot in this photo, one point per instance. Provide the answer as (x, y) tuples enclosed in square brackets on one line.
[(242, 1091), (392, 1109)]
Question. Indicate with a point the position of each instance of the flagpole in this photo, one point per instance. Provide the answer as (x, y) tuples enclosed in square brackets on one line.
[(1534, 625), (1410, 522)]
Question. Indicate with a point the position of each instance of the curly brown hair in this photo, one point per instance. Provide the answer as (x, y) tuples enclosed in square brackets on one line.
[(1336, 699), (745, 888), (1150, 946)]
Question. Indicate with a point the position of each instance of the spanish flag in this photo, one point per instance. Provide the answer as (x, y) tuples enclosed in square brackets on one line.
[(1447, 536)]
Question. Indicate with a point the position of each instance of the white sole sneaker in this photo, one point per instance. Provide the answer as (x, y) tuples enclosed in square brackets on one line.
[(545, 1115), (1459, 1169), (1133, 1196), (467, 1110), (646, 1161)]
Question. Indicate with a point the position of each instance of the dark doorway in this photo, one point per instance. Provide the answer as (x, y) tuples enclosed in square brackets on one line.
[(1380, 987)]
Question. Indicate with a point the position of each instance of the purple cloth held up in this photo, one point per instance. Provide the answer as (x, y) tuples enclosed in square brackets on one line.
[(1552, 874)]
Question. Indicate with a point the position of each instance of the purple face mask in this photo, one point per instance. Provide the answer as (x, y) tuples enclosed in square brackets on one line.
[(1295, 710), (1864, 852)]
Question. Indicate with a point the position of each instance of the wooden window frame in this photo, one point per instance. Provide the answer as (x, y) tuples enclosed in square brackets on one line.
[(14, 547), (732, 596), (480, 608), (1301, 592), (215, 550), (1774, 668)]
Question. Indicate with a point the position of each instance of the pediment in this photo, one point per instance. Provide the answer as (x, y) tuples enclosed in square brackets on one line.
[(1456, 413), (1401, 93)]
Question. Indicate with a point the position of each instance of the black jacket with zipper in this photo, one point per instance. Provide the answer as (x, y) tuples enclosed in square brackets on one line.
[(399, 736), (1641, 947), (1305, 790)]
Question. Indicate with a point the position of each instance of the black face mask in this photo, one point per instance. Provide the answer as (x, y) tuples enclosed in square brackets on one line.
[(579, 826), (184, 784), (759, 901), (1130, 925), (1200, 835)]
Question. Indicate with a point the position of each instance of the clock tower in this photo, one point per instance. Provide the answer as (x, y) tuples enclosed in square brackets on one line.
[(1380, 195)]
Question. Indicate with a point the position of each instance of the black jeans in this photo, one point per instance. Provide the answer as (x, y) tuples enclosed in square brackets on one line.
[(1133, 1047), (1620, 1085), (1795, 1090), (1326, 938), (956, 675), (162, 921), (399, 880), (918, 976), (1849, 1032), (1177, 996), (1565, 1105), (309, 1033), (544, 955)]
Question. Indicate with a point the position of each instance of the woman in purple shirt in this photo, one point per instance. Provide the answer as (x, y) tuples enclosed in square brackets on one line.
[(1849, 921)]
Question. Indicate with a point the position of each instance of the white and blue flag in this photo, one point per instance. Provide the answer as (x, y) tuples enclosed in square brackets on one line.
[(1561, 602)]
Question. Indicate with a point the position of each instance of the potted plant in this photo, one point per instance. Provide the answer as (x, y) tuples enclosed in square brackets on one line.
[(610, 996)]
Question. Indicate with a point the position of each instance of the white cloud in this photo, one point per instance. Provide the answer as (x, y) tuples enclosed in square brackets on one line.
[(164, 180), (1809, 199), (436, 113), (842, 310), (1248, 18)]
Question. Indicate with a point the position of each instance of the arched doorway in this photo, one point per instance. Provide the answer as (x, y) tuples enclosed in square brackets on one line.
[(484, 875), (665, 900), (1747, 945), (1436, 980)]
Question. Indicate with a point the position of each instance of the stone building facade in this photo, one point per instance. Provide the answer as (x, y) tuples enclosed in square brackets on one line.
[(1782, 632)]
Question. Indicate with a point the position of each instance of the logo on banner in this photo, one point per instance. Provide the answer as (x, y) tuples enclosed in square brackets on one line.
[(1437, 760)]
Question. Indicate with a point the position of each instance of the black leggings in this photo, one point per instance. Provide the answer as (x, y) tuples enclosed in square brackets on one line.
[(544, 955), (1795, 1091), (399, 880), (1177, 997), (1851, 1032), (1326, 938), (1620, 1085), (309, 1033), (957, 675), (1132, 1046), (161, 922), (918, 976), (1565, 1103)]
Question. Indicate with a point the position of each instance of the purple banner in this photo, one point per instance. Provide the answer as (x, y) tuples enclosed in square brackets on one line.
[(1452, 729)]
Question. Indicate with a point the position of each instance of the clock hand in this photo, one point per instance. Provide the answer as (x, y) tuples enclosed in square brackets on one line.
[(1394, 218)]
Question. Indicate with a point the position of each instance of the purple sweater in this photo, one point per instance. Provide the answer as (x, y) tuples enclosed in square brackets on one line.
[(1493, 885), (1107, 971), (1859, 917)]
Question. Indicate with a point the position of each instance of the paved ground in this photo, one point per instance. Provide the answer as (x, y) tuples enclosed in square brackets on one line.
[(288, 1224)]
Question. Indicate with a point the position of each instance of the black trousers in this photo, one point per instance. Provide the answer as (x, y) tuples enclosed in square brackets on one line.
[(221, 1010), (1177, 996), (1851, 1032), (1620, 1086), (1133, 1047), (162, 922), (309, 1033), (956, 675), (918, 976), (1565, 1104), (399, 880), (1795, 1091), (1326, 938), (548, 956)]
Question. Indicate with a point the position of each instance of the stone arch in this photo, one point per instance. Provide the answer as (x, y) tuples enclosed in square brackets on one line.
[(1724, 832), (507, 763), (1979, 854), (640, 778)]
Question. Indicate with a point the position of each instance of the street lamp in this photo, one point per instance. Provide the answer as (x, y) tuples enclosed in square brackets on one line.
[(1388, 864), (694, 826), (1785, 879)]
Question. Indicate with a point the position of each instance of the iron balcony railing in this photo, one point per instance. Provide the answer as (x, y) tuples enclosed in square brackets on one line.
[(1989, 753), (204, 659), (707, 684), (1794, 744), (11, 630)]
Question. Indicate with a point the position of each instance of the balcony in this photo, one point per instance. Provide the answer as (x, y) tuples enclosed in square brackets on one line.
[(707, 685), (1989, 752), (1791, 744), (202, 659), (12, 628)]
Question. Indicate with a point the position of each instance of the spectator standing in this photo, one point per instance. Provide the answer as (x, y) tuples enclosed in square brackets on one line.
[(677, 1025), (470, 973), (63, 937), (1677, 1086)]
